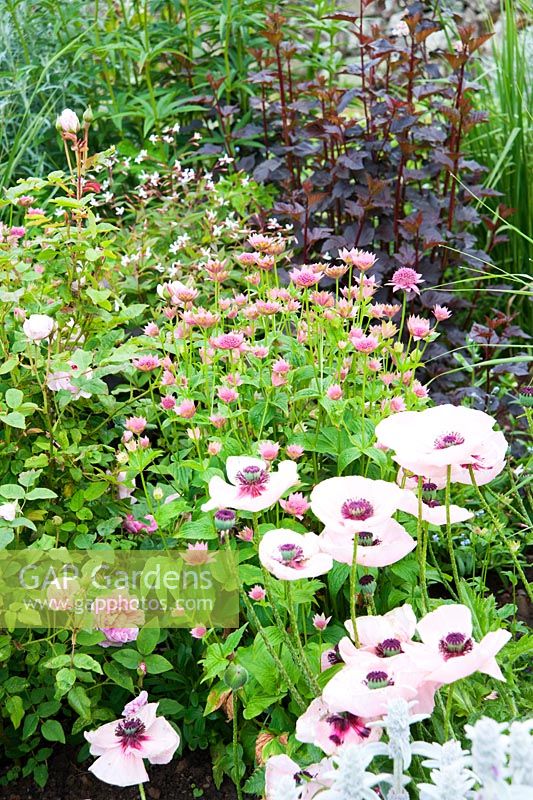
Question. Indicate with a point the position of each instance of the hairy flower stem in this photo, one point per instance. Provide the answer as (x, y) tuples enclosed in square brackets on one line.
[(303, 661), (141, 792), (235, 744), (421, 549), (449, 539), (497, 524), (448, 713), (353, 591)]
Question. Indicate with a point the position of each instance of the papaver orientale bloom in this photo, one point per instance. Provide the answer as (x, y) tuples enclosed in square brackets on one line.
[(326, 729), (448, 652), (366, 689), (353, 503), (427, 442), (122, 745), (38, 327), (382, 636), (290, 556), (377, 545), (250, 485), (307, 781)]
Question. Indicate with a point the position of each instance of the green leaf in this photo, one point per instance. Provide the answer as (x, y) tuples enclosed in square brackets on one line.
[(57, 661), (41, 494), (96, 490), (14, 420), (15, 709), (31, 722), (119, 676), (128, 658), (52, 731), (79, 701), (347, 457), (12, 491), (147, 639), (84, 661), (65, 680), (40, 775), (14, 398), (156, 664), (8, 365)]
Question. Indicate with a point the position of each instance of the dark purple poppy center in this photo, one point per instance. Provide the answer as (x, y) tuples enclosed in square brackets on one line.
[(342, 724), (131, 733), (429, 486), (455, 644), (252, 481), (334, 656), (389, 647), (446, 440), (357, 510), (366, 539), (377, 679), (291, 555)]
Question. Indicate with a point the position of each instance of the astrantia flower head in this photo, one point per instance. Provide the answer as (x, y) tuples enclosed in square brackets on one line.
[(441, 313), (361, 259), (305, 277), (250, 486), (122, 745), (406, 279), (146, 363), (291, 556), (418, 327), (296, 505)]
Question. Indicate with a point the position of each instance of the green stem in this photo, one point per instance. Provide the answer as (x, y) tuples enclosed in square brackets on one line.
[(497, 524), (353, 589), (449, 539), (235, 742), (141, 792), (421, 536), (299, 646), (448, 714)]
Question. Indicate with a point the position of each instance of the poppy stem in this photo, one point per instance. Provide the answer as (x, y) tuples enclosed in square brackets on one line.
[(237, 760), (353, 589), (449, 539), (300, 655), (141, 792), (421, 536)]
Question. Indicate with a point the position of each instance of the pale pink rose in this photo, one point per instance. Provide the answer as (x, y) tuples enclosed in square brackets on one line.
[(426, 442), (257, 593), (115, 637), (269, 451), (136, 424), (291, 556), (406, 279), (250, 486), (198, 632), (334, 392), (68, 122), (448, 652), (296, 505), (8, 511), (367, 689), (309, 781), (377, 545), (131, 708), (321, 622), (320, 726), (186, 409), (38, 327), (352, 502), (418, 327), (122, 745)]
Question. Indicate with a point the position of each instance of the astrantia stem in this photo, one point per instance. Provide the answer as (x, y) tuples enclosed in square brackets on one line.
[(449, 539), (353, 590), (497, 524)]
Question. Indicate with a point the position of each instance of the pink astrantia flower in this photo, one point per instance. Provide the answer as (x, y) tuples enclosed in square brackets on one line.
[(227, 394), (308, 781), (448, 652), (397, 404), (320, 726), (441, 313), (296, 505), (291, 556), (228, 341), (294, 451), (406, 279), (321, 622), (366, 690), (168, 402), (186, 409), (377, 545), (361, 259), (198, 632), (136, 424), (115, 637), (418, 327), (122, 745), (269, 451), (250, 486), (146, 363), (305, 277), (427, 442), (334, 392), (257, 593), (364, 344), (353, 503)]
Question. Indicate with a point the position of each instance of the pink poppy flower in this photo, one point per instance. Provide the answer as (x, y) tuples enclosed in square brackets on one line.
[(486, 464), (250, 486), (384, 635), (291, 556), (366, 690), (432, 511), (406, 279), (135, 705), (354, 503), (320, 726), (377, 546), (296, 505), (308, 781), (122, 745), (427, 441), (449, 652)]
